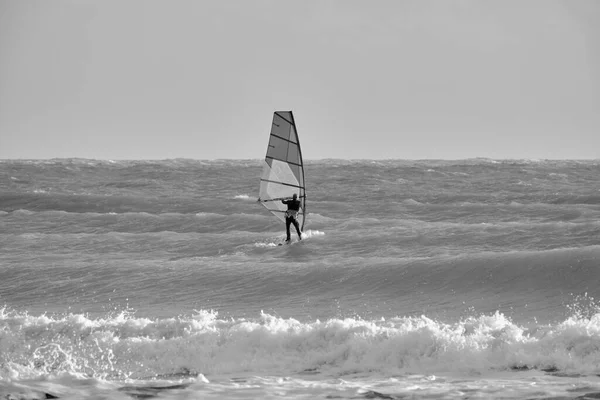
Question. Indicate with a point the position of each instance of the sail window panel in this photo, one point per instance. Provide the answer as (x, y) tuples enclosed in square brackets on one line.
[(297, 171), (293, 155), (279, 191), (278, 148), (283, 172), (293, 136), (281, 127)]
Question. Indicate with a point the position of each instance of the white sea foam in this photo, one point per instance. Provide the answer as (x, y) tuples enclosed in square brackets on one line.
[(272, 345)]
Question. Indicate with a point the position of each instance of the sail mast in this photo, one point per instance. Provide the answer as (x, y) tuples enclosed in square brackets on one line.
[(303, 194)]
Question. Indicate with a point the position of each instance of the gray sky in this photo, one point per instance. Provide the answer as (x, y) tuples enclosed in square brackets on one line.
[(150, 79)]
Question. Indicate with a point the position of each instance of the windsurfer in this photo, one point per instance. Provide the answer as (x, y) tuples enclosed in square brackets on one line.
[(291, 216)]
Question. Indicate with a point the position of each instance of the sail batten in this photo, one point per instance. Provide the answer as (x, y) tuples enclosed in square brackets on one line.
[(280, 183), (283, 167), (289, 162)]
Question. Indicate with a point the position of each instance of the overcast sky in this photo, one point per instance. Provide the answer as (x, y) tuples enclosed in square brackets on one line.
[(415, 79)]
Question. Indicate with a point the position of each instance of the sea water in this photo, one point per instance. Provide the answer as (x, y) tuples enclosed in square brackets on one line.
[(414, 279)]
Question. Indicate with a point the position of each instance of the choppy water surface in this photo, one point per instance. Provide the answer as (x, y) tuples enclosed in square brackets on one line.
[(422, 279)]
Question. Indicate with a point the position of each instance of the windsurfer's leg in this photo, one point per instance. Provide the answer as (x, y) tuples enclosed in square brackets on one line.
[(298, 229), (288, 221)]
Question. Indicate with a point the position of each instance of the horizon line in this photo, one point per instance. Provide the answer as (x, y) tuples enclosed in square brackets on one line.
[(306, 159)]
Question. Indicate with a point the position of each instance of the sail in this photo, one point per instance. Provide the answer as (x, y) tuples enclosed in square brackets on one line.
[(283, 169)]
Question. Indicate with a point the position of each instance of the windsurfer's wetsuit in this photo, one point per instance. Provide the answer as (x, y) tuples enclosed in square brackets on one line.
[(291, 217)]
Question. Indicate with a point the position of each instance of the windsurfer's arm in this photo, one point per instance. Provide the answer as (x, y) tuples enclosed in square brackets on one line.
[(276, 199)]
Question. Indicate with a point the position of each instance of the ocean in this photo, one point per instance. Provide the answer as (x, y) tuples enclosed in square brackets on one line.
[(427, 279)]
